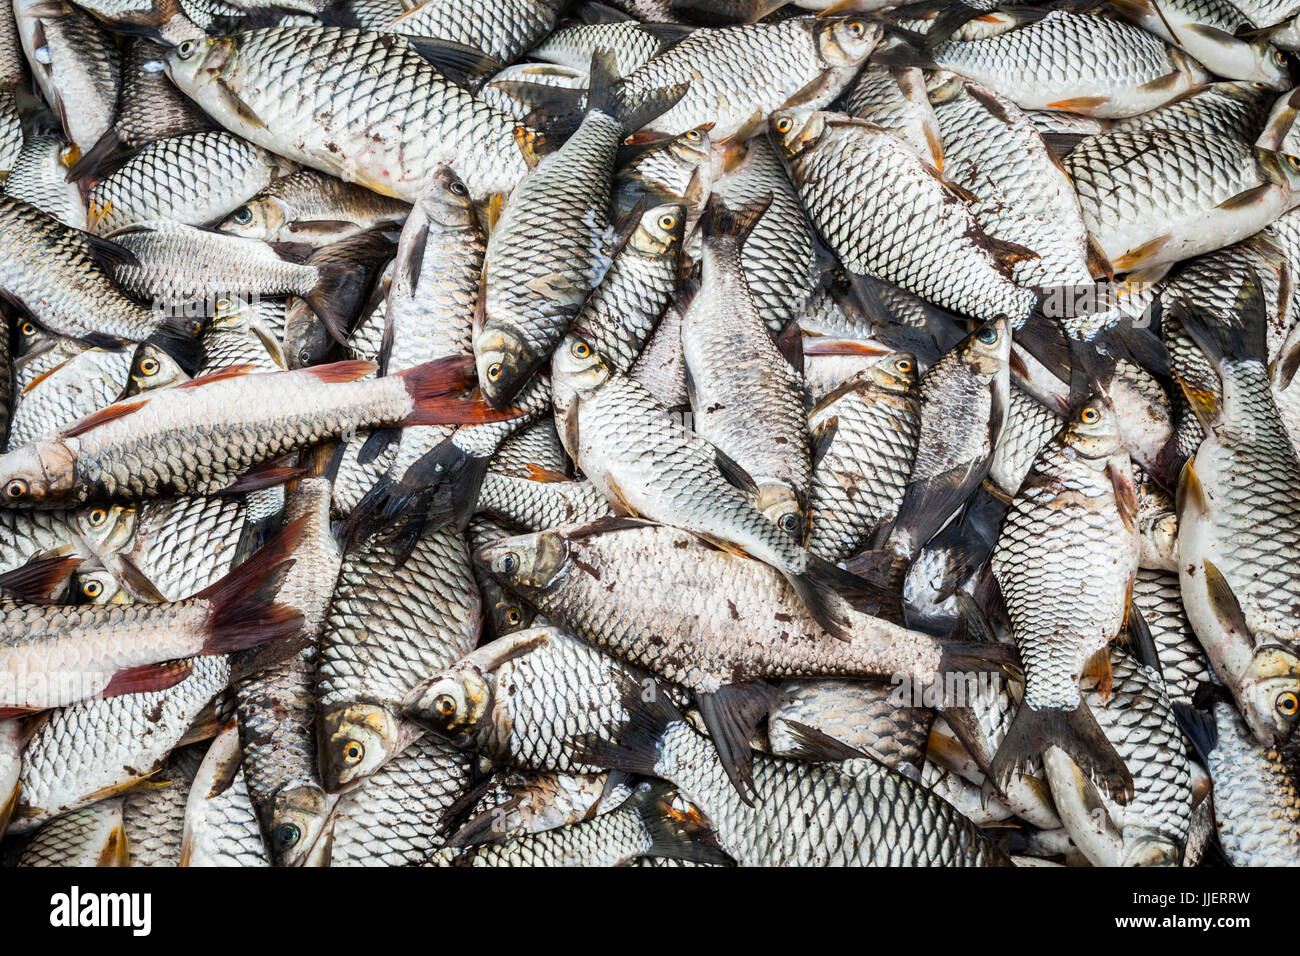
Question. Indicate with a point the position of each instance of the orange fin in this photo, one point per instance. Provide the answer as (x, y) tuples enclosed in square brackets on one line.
[(347, 371), (102, 417), (231, 371), (538, 473), (1080, 104), (147, 677), (1098, 666)]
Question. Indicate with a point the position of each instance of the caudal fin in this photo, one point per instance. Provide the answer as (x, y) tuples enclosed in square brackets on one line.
[(337, 295), (1076, 732), (636, 749), (443, 393), (673, 833), (606, 93), (242, 610), (831, 593)]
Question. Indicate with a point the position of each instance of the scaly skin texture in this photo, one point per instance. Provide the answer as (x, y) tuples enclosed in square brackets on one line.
[(523, 802), (884, 211), (895, 99), (1066, 558), (1022, 194), (868, 429), (90, 836), (150, 107), (1236, 109), (399, 816), (24, 534), (220, 826), (194, 179), (104, 746), (1182, 661), (1150, 198), (388, 628), (660, 600), (311, 206), (633, 45), (531, 710), (155, 816), (199, 440), (180, 545), (857, 813), (540, 505), (738, 71), (49, 269), (352, 103), (1098, 63), (503, 29), (1256, 795), (88, 382), (1028, 427), (39, 177)]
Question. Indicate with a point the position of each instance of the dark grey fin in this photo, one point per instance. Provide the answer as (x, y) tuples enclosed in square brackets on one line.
[(790, 344), (815, 746), (376, 444), (952, 17), (38, 579), (822, 582), (412, 264), (1242, 336), (108, 151), (735, 475), (1044, 338), (640, 738), (605, 525), (668, 34), (1224, 603), (107, 253), (482, 827), (673, 835), (1285, 368), (713, 14), (1075, 732), (592, 12), (178, 338), (242, 612), (735, 223), (823, 437), (731, 714), (941, 329), (233, 102), (967, 657), (1062, 144), (1196, 721), (1140, 639), (464, 65), (606, 94), (337, 294), (554, 111), (928, 504), (900, 55), (964, 722)]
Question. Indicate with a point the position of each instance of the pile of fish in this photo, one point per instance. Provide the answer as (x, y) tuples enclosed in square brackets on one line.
[(673, 432)]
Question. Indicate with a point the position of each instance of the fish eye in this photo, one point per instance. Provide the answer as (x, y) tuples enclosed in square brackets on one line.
[(186, 49), (1260, 86), (1090, 416), (784, 124), (494, 371), (92, 589), (1288, 704), (513, 616), (1279, 57), (243, 215), (149, 366), (667, 222), (286, 835), (304, 357), (510, 562), (223, 305), (789, 523), (904, 366), (27, 329), (988, 335), (353, 751), (693, 135), (444, 705), (193, 326), (856, 28), (581, 349), (16, 489), (98, 517), (458, 188)]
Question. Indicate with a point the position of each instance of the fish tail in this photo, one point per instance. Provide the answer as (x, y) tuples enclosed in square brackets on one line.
[(336, 296), (242, 610), (673, 833), (822, 586), (1076, 732), (38, 579), (180, 339), (736, 223), (442, 393), (1243, 335), (106, 151), (640, 738), (606, 93)]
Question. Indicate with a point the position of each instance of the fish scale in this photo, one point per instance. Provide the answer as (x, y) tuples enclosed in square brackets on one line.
[(503, 29), (154, 817), (633, 44), (1236, 108), (1256, 795), (539, 505), (356, 104), (194, 179), (85, 384), (1183, 666)]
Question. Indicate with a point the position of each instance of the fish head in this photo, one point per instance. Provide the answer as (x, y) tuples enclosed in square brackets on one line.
[(526, 562), (154, 368), (1281, 168), (846, 41), (659, 232), (988, 350), (1150, 849), (504, 364), (299, 817), (453, 704), (1270, 695), (693, 147), (796, 129), (98, 586), (780, 506), (307, 340), (893, 373), (577, 365), (355, 741), (447, 203), (32, 338), (37, 473), (195, 62), (259, 218), (1268, 66), (106, 528), (1093, 431)]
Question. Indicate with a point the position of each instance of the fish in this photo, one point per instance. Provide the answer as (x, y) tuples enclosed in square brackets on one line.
[(311, 207), (220, 828)]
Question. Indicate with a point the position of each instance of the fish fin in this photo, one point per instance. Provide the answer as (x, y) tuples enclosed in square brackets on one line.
[(529, 142), (905, 55), (267, 474), (816, 746), (618, 501), (220, 375), (1203, 403), (433, 387), (1224, 603), (606, 94), (242, 611), (1284, 369), (233, 102), (376, 444), (538, 473), (7, 713), (929, 502), (1121, 483), (1074, 731), (821, 579), (1207, 32), (731, 714), (823, 437), (965, 726), (1081, 104), (735, 475), (1244, 339), (135, 581), (1190, 497), (36, 580), (1098, 668), (102, 417), (1247, 197), (1007, 254), (818, 346), (148, 677), (673, 834), (1061, 145), (108, 254), (966, 657), (1199, 727), (1141, 641), (813, 90), (737, 223), (336, 295), (1044, 338), (461, 63), (635, 748), (1141, 256)]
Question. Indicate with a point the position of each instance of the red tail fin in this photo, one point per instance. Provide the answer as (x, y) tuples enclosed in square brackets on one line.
[(36, 580), (243, 611), (444, 393), (137, 680)]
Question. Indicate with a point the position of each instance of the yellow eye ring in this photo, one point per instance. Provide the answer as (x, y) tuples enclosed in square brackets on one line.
[(581, 349), (494, 371), (1089, 416), (353, 751), (784, 124), (92, 589), (149, 367), (98, 516), (513, 616), (904, 366), (667, 222), (856, 28), (16, 489), (445, 706), (1288, 704), (27, 329)]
